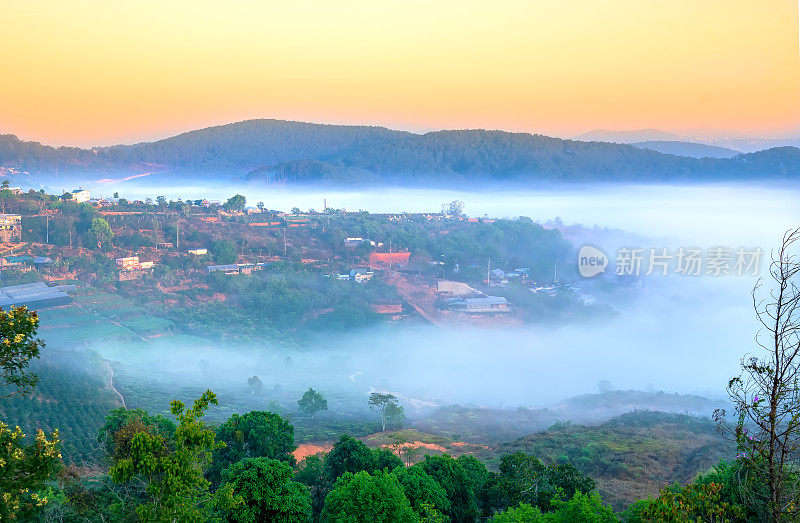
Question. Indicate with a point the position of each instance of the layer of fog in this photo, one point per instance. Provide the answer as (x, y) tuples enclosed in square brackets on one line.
[(683, 334)]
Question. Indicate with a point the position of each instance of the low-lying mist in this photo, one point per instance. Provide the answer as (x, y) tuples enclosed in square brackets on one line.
[(676, 333)]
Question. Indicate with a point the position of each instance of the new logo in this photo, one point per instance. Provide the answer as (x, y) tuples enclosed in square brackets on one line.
[(591, 261)]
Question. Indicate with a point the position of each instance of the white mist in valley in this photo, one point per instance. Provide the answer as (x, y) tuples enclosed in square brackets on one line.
[(675, 333)]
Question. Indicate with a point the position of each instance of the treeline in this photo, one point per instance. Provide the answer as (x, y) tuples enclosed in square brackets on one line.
[(294, 152), (244, 470)]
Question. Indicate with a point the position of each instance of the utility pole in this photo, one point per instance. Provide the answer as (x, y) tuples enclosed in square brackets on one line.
[(488, 271), (284, 241), (47, 228), (177, 233), (390, 255)]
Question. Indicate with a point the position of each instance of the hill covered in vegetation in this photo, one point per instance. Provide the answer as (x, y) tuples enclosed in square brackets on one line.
[(275, 151)]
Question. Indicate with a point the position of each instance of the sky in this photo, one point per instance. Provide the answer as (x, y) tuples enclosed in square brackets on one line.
[(99, 72)]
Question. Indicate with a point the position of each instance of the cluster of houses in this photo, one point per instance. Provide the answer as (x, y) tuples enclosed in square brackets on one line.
[(10, 228)]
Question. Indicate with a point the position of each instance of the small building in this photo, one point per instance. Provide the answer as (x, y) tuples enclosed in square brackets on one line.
[(486, 304), (454, 288), (131, 268), (80, 195), (198, 252), (34, 295), (128, 263), (10, 228), (237, 268)]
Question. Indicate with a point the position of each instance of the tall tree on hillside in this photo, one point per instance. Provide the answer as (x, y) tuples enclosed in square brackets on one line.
[(18, 346), (312, 402), (766, 395), (172, 470), (387, 406), (235, 203), (255, 384), (101, 231), (25, 467)]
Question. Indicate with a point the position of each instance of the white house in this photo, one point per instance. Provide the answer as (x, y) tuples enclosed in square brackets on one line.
[(80, 195)]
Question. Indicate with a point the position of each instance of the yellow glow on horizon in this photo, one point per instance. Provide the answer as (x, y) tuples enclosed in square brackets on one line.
[(98, 72)]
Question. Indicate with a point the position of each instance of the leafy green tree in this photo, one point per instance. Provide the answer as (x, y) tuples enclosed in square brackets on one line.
[(348, 455), (265, 491), (454, 480), (256, 434), (386, 459), (522, 513), (693, 502), (312, 402), (364, 497), (255, 384), (422, 491), (176, 489), (101, 232), (351, 455), (18, 346), (313, 475), (235, 203), (115, 442), (387, 406), (25, 469), (586, 508), (524, 479), (224, 251)]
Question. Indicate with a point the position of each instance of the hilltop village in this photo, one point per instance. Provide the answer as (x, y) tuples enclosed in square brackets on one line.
[(285, 271)]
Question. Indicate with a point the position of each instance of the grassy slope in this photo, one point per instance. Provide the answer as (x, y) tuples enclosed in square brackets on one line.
[(633, 455)]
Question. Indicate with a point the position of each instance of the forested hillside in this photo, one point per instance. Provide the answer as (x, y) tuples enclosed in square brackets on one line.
[(276, 151)]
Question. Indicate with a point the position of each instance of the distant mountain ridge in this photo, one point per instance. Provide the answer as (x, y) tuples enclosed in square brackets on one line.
[(276, 151), (690, 149), (629, 137)]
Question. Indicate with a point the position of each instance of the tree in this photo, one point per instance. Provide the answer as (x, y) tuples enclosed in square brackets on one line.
[(766, 395), (255, 384), (453, 209), (587, 508), (260, 206), (451, 476), (387, 406), (224, 251), (364, 497), (348, 455), (313, 475), (24, 469), (422, 490), (18, 346), (173, 472), (312, 402), (266, 491), (693, 502), (256, 434), (161, 201), (123, 424), (236, 203), (101, 232)]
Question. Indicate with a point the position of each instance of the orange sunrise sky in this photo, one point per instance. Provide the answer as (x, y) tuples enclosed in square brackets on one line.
[(103, 72)]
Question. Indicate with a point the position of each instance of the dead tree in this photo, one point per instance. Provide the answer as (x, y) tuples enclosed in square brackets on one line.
[(766, 396)]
